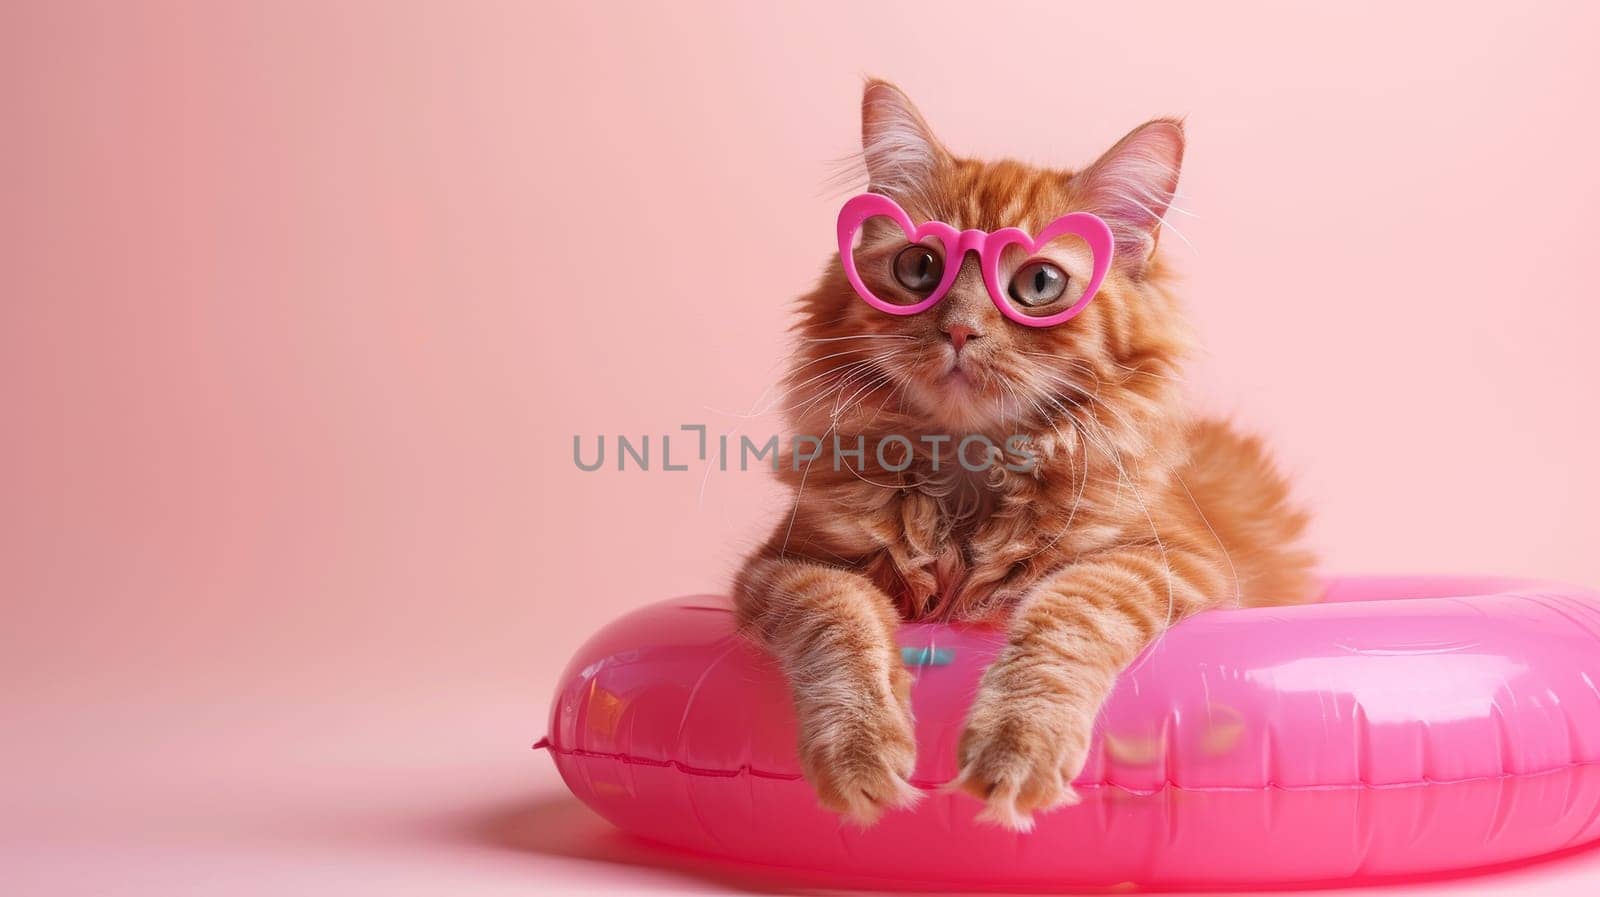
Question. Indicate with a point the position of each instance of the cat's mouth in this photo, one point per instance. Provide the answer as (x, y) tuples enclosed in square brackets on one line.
[(965, 372), (960, 397), (957, 377)]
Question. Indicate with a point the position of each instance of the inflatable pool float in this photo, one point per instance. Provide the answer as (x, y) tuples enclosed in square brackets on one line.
[(1399, 727)]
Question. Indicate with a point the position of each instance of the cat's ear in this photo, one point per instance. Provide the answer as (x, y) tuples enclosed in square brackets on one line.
[(899, 148), (1133, 185)]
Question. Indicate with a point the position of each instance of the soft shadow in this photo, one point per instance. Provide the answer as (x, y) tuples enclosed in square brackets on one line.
[(561, 826)]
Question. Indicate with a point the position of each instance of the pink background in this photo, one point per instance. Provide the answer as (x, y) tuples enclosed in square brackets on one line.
[(304, 303)]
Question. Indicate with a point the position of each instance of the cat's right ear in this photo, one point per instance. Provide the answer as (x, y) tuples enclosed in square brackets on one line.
[(899, 148)]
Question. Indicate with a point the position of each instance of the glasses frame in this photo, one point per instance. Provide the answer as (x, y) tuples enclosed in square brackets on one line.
[(987, 244)]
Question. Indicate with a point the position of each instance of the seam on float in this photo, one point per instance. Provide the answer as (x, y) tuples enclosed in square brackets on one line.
[(662, 764), (707, 772)]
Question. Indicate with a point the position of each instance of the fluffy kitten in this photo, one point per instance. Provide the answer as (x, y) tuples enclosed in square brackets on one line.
[(1134, 516)]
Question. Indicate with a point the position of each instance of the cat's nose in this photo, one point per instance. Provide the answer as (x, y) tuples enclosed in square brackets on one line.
[(958, 334)]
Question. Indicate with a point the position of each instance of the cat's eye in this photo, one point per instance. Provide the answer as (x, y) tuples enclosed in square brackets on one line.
[(918, 268), (1036, 284)]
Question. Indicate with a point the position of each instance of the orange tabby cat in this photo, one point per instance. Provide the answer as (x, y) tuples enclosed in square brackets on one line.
[(1133, 516)]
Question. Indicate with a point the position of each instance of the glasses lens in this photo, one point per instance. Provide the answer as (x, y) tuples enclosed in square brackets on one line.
[(1049, 280), (894, 269)]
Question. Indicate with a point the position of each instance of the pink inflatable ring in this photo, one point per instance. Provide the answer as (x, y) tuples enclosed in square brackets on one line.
[(1399, 727)]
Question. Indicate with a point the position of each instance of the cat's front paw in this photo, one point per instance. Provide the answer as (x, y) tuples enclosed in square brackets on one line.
[(858, 750), (1019, 754)]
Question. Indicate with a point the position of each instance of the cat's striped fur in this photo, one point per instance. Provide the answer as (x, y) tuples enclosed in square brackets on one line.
[(1135, 516)]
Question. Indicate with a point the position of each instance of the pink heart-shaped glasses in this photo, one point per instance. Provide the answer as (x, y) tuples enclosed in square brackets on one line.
[(988, 245)]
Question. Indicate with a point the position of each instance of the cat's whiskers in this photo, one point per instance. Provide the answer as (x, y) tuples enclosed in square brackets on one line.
[(1162, 222), (833, 392), (1233, 572), (858, 474), (1092, 436), (835, 339), (1123, 477), (1139, 496), (1129, 426), (1085, 368), (867, 362), (1161, 546), (840, 406), (853, 351), (843, 375), (800, 489), (1072, 513), (1049, 419)]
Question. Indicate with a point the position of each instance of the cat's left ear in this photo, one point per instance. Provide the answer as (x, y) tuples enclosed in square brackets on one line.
[(901, 153), (1132, 186)]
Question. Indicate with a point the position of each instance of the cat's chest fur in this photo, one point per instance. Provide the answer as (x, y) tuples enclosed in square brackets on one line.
[(962, 502), (941, 530)]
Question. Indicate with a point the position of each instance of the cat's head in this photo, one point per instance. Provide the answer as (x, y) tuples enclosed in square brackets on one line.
[(962, 365)]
